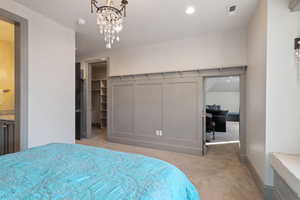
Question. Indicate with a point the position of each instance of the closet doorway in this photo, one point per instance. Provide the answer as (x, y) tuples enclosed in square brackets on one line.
[(94, 99), (98, 74)]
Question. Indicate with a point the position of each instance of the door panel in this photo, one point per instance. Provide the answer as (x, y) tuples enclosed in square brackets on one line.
[(181, 111), (123, 104), (148, 109)]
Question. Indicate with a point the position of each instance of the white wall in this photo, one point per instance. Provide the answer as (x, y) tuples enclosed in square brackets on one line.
[(228, 100), (210, 50), (283, 85), (51, 75), (256, 89), (273, 90)]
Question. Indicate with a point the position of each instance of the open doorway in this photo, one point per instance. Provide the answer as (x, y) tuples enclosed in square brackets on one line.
[(13, 83), (222, 106), (9, 141), (91, 98)]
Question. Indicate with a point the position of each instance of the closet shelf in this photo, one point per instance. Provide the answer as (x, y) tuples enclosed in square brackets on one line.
[(97, 80)]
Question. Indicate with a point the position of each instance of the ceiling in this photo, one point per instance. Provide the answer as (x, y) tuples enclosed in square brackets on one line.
[(148, 21), (6, 31)]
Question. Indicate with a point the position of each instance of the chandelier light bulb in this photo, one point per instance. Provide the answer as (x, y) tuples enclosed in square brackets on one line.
[(119, 28)]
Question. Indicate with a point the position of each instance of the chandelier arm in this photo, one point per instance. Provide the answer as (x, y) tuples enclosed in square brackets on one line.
[(109, 7), (93, 4), (123, 9), (124, 3)]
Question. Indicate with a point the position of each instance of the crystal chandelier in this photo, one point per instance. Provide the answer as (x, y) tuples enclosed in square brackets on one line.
[(110, 20)]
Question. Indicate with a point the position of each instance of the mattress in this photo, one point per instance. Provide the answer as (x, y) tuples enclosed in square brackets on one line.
[(77, 172)]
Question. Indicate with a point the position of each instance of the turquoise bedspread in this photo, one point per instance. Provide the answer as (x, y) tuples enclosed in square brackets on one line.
[(77, 172)]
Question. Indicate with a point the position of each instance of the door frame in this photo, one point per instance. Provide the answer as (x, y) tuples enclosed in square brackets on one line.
[(87, 100), (242, 128), (21, 75)]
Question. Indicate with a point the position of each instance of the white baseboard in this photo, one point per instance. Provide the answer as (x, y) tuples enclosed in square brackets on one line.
[(268, 192)]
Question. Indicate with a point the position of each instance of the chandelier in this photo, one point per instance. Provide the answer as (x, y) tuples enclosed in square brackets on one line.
[(110, 20)]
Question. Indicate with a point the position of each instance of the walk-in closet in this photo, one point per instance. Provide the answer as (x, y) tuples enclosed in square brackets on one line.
[(98, 96)]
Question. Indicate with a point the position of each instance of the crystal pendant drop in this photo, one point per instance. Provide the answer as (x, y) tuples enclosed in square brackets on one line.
[(110, 20)]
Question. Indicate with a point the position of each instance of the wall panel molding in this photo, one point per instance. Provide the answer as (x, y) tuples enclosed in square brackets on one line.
[(163, 110)]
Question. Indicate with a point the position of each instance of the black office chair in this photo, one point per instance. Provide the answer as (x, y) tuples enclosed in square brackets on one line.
[(210, 126)]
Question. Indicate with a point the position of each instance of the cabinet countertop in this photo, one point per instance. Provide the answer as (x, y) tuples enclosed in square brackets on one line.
[(288, 167), (10, 118)]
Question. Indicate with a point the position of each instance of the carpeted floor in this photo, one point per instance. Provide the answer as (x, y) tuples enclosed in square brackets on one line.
[(218, 176), (231, 134)]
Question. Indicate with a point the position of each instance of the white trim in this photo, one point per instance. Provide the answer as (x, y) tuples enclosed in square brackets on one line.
[(221, 143)]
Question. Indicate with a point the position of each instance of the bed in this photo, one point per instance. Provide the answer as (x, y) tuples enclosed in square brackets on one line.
[(78, 172)]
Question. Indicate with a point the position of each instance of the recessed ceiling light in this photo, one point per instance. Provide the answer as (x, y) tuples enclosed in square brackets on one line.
[(81, 21), (190, 10)]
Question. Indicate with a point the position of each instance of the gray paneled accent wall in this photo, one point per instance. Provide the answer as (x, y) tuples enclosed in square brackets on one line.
[(148, 108), (161, 110), (182, 111)]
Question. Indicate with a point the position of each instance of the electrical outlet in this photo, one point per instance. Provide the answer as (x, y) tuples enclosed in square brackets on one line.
[(157, 132), (160, 133)]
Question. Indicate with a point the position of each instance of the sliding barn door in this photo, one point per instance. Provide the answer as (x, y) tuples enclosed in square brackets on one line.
[(182, 107), (160, 111)]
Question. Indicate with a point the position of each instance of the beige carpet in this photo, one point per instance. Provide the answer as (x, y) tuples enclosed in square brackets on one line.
[(218, 176), (231, 134)]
